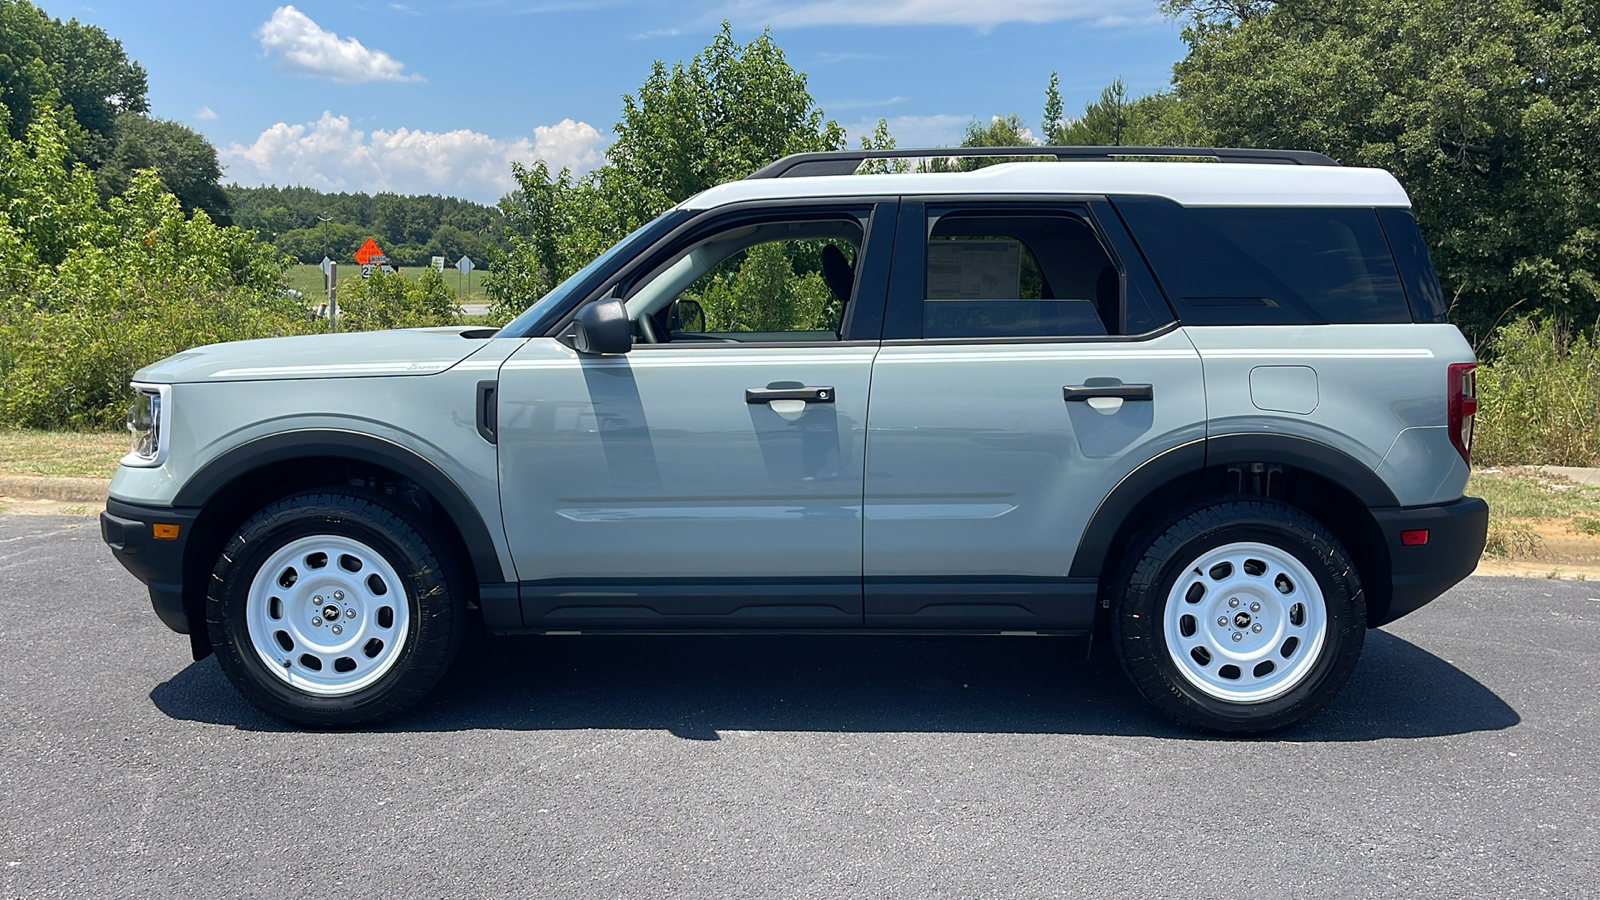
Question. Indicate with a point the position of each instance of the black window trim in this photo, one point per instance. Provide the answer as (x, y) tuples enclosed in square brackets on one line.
[(879, 224), (908, 284)]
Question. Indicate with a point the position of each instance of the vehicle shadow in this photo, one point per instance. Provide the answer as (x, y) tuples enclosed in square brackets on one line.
[(695, 686)]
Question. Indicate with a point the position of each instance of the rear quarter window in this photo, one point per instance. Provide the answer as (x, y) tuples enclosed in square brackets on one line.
[(1269, 265)]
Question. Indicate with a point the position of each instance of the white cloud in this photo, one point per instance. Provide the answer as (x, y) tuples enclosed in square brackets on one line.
[(983, 14), (864, 104), (306, 48), (205, 113), (331, 154), (915, 132)]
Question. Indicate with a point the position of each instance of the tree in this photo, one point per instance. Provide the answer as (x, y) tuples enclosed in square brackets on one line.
[(410, 228), (69, 71), (1001, 131), (1486, 110), (881, 139), (186, 162), (1053, 113), (1116, 120), (729, 111)]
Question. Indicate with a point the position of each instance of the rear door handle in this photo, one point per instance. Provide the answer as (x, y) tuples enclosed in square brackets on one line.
[(1073, 392), (808, 394)]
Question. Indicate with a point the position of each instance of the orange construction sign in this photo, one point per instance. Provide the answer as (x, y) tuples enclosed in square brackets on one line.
[(367, 252)]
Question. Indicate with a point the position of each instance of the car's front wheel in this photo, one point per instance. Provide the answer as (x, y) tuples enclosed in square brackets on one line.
[(335, 608), (1240, 616)]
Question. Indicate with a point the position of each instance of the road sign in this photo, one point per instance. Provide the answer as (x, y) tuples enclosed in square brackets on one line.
[(368, 251), (465, 265), (366, 270), (438, 264), (327, 265)]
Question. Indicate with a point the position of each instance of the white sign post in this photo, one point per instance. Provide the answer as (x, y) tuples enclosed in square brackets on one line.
[(332, 268), (438, 264), (327, 264), (465, 266)]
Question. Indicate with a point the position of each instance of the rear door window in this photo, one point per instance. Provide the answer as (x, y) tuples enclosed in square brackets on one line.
[(1015, 272), (1269, 265)]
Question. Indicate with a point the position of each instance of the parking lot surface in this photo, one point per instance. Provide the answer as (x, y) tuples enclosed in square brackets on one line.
[(1462, 760)]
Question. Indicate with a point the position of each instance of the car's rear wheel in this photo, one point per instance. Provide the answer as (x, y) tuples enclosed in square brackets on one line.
[(1240, 616), (335, 608)]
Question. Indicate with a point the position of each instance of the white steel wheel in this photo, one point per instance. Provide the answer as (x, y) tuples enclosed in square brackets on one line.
[(1245, 622), (327, 615)]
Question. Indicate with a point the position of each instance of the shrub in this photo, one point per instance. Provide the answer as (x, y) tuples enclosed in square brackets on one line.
[(108, 289), (1538, 398), (394, 301)]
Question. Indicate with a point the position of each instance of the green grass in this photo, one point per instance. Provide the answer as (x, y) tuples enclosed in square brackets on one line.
[(1518, 498), (92, 453), (308, 280), (1527, 494)]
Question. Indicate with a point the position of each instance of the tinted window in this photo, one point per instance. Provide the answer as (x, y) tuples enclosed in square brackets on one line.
[(1018, 275), (1269, 266), (1416, 269)]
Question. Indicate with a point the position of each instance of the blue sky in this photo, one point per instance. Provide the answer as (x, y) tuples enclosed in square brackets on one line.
[(439, 97)]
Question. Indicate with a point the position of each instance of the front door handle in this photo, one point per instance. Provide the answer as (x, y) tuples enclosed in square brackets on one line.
[(1118, 391), (808, 394)]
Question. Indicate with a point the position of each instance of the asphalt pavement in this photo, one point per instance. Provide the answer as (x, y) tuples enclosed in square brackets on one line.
[(1460, 761)]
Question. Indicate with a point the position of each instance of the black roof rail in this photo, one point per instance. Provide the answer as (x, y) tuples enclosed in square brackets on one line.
[(845, 162)]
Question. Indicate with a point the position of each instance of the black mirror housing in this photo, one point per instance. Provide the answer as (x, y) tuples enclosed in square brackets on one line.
[(602, 327)]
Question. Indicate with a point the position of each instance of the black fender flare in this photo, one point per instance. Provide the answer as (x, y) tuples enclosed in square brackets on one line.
[(1194, 457), (327, 442)]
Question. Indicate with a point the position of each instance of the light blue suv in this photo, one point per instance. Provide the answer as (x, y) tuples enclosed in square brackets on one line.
[(1210, 405)]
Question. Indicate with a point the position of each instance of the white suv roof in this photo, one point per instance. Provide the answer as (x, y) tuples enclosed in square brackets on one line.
[(1188, 183)]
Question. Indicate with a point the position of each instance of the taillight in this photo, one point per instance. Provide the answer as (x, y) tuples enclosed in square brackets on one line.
[(1463, 393)]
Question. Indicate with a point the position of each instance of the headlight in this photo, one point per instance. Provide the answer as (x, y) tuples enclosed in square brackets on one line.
[(147, 423)]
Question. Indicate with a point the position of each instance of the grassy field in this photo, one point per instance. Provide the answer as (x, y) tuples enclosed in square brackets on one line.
[(1530, 511), (92, 454), (308, 280)]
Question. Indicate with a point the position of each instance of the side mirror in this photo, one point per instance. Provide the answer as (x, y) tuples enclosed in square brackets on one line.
[(602, 327), (688, 316)]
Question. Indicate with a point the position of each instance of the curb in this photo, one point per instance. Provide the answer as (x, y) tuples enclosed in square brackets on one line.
[(1577, 474), (60, 489)]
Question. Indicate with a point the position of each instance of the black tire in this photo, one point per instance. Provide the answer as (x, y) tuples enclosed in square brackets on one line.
[(415, 550), (1162, 554)]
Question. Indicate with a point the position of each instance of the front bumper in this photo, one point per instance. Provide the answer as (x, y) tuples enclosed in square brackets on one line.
[(128, 529), (1421, 572)]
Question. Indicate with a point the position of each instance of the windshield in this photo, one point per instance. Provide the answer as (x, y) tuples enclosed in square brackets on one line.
[(537, 318)]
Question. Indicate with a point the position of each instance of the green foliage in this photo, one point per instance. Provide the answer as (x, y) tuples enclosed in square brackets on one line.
[(729, 111), (73, 74), (881, 139), (395, 301), (1486, 110), (1000, 131), (185, 160), (760, 290), (410, 228), (92, 292), (1538, 397), (1115, 120)]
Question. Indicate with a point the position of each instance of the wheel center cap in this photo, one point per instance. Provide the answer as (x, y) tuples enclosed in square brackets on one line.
[(1241, 619), (331, 613)]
